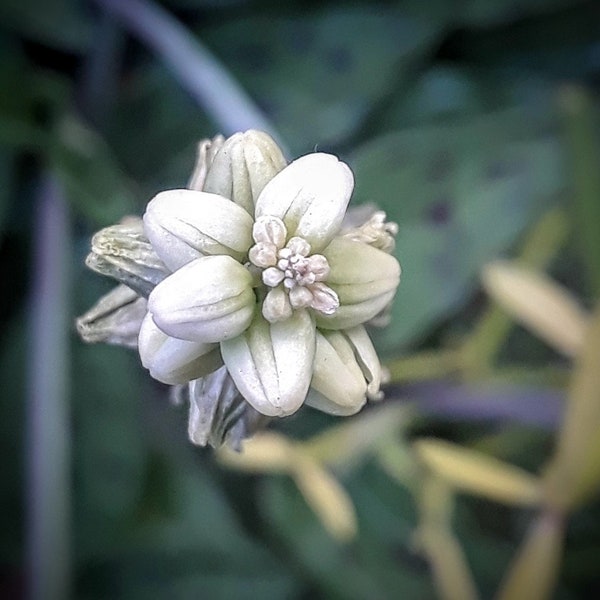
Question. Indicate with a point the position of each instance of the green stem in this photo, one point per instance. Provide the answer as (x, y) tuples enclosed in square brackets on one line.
[(197, 70), (542, 244), (581, 128)]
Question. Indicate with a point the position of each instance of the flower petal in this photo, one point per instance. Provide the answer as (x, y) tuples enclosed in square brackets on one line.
[(183, 225), (364, 278), (271, 363), (174, 361), (207, 300), (243, 166), (310, 195), (338, 386)]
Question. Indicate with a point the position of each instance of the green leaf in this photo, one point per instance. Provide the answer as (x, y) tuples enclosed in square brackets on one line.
[(95, 183), (319, 75), (198, 547), (482, 13), (369, 567), (109, 450), (558, 44), (153, 103), (35, 100), (461, 192)]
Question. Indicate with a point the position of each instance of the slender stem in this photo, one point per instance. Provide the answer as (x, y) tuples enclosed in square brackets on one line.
[(48, 430), (198, 71), (581, 127)]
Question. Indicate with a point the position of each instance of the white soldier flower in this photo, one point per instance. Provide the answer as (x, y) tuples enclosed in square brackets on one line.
[(259, 288), (251, 274)]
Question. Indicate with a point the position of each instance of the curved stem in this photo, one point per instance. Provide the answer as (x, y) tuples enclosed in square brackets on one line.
[(198, 71), (48, 429)]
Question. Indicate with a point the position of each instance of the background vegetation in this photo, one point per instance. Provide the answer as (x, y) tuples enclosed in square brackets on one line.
[(473, 124)]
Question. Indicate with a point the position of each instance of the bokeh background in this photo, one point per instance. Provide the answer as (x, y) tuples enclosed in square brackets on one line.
[(474, 125)]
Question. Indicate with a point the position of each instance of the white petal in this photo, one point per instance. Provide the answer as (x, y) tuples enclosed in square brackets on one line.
[(364, 278), (175, 361), (271, 363), (207, 300), (243, 166), (338, 385), (183, 225), (351, 315), (310, 195)]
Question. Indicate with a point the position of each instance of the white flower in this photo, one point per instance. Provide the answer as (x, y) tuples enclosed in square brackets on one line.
[(256, 278), (257, 288)]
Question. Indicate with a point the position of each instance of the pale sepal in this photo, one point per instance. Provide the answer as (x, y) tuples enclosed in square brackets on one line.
[(310, 195), (364, 278), (338, 386), (243, 166), (367, 359), (174, 361), (123, 252), (116, 318), (271, 363), (208, 300), (183, 225)]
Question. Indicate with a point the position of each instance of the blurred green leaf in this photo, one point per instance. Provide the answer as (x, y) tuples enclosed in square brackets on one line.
[(491, 12), (62, 24), (483, 13), (461, 192), (198, 548), (558, 44), (36, 97), (306, 542), (109, 451), (318, 75), (94, 182), (366, 568), (171, 123)]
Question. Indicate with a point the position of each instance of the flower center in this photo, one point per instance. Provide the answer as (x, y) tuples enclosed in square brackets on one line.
[(294, 276)]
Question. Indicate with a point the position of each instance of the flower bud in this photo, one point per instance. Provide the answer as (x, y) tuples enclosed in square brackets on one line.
[(364, 278), (115, 319), (184, 225), (243, 166), (207, 300), (175, 361), (124, 253)]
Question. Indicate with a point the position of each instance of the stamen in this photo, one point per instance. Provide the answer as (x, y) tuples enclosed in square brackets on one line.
[(272, 276), (270, 230), (294, 276)]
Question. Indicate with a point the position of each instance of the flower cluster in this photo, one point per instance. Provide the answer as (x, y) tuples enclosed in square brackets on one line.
[(250, 279)]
